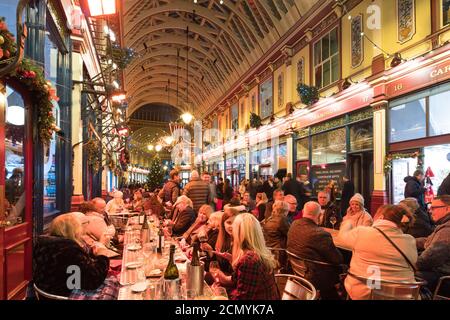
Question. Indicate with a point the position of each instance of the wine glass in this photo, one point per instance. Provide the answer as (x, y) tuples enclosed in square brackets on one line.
[(219, 293), (203, 238), (333, 220), (214, 269)]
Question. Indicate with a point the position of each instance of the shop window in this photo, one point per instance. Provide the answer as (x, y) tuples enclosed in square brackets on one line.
[(439, 119), (14, 157), (266, 156), (437, 158), (303, 149), (265, 93), (446, 12), (329, 147), (401, 168), (408, 121), (326, 59), (282, 156), (361, 136)]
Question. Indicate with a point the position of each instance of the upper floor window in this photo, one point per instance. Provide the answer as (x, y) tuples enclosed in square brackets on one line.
[(446, 12), (234, 118), (253, 103), (326, 59)]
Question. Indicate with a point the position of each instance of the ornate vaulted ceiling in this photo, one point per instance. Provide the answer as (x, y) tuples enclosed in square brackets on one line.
[(225, 40)]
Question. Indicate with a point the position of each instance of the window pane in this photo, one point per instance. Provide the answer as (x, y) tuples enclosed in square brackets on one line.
[(325, 47), (14, 157), (319, 76), (334, 44), (361, 136), (446, 11), (329, 147), (438, 159), (335, 68), (407, 121), (326, 73), (439, 114), (317, 53), (303, 149)]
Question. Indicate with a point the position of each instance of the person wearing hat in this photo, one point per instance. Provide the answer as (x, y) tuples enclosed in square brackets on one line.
[(423, 225), (116, 205), (356, 213)]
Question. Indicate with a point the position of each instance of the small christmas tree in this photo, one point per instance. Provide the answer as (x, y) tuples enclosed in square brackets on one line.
[(156, 174)]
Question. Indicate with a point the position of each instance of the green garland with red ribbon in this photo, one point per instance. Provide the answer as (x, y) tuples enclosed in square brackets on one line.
[(31, 76), (394, 156)]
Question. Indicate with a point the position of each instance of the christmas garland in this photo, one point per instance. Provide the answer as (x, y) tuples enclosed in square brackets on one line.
[(30, 75), (391, 157), (122, 56), (308, 94), (255, 120), (124, 159), (92, 148)]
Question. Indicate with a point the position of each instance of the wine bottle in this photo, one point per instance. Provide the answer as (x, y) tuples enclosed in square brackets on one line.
[(171, 272), (195, 260), (160, 240), (145, 231)]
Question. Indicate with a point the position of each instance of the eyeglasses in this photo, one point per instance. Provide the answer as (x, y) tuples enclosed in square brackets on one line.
[(293, 203), (438, 207)]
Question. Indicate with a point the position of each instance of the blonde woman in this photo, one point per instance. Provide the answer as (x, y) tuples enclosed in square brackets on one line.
[(202, 218), (253, 263), (261, 203), (357, 214), (61, 249)]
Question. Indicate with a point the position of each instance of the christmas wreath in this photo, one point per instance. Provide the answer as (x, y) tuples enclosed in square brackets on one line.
[(32, 77), (390, 157), (255, 120), (308, 94)]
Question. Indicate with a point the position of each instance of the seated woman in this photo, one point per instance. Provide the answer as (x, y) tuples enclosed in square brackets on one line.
[(260, 208), (116, 205), (202, 218), (373, 252), (223, 247), (53, 254), (138, 203), (253, 263), (152, 203), (356, 213)]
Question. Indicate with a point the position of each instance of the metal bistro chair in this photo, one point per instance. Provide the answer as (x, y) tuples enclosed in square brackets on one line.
[(281, 256), (47, 296), (392, 290), (443, 281), (293, 287), (300, 266)]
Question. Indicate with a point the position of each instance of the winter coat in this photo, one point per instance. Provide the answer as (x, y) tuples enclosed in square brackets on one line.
[(361, 218), (330, 211), (423, 226), (275, 230), (198, 191), (436, 256), (169, 192), (183, 221), (372, 252), (53, 255), (309, 241), (444, 188), (414, 189)]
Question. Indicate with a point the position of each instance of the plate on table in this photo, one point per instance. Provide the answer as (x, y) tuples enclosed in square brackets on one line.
[(155, 273), (139, 287), (133, 265), (134, 247)]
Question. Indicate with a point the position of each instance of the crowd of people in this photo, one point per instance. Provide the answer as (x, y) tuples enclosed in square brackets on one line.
[(247, 234)]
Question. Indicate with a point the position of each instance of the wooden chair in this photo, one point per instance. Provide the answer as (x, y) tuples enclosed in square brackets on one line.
[(443, 281), (281, 256), (392, 290), (293, 287), (46, 296), (301, 265)]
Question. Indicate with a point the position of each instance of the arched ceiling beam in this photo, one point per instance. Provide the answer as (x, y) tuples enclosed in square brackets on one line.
[(162, 91), (139, 102), (186, 6), (181, 25), (171, 52)]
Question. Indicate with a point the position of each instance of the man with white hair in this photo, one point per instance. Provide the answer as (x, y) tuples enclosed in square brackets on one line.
[(183, 216), (197, 190), (308, 241)]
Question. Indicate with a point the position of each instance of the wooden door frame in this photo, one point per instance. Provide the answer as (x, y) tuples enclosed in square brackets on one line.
[(12, 237)]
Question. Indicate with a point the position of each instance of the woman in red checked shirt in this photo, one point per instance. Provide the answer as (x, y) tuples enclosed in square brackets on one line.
[(253, 263)]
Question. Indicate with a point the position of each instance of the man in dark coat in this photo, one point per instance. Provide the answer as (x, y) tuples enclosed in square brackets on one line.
[(348, 190), (309, 241), (414, 188), (327, 211), (292, 186), (444, 188), (171, 190), (268, 188)]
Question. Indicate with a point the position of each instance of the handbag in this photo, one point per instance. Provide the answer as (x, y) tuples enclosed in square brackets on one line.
[(425, 293)]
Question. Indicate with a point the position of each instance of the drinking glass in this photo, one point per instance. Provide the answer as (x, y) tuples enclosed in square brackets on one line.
[(219, 293), (333, 220), (155, 290), (214, 269)]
